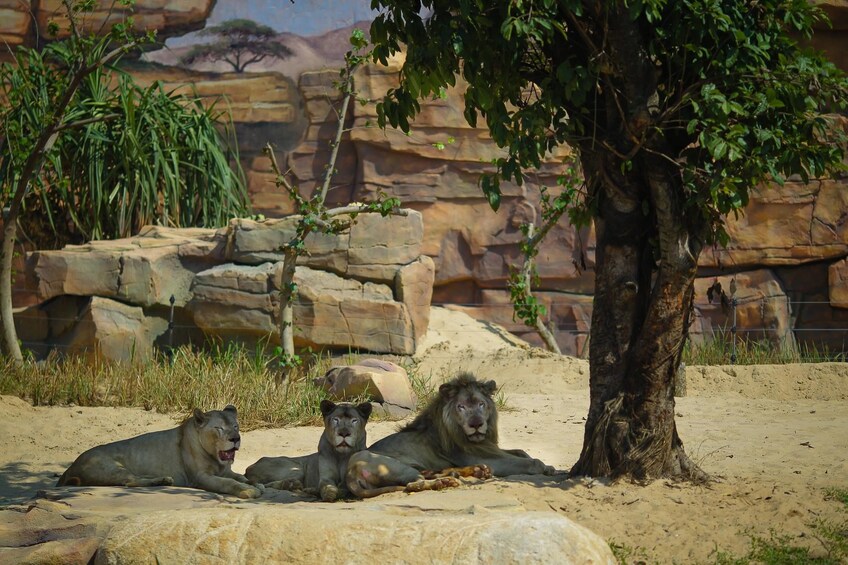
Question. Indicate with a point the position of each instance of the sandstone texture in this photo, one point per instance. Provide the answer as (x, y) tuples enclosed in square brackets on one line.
[(24, 22), (355, 290), (111, 526), (383, 382), (797, 233)]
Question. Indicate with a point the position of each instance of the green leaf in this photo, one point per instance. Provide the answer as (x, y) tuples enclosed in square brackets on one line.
[(491, 189)]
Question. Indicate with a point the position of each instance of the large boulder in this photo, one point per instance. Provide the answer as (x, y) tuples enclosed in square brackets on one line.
[(167, 17), (145, 270), (240, 301), (383, 382), (112, 330), (368, 288), (339, 313), (374, 248), (307, 535), (837, 278), (15, 21), (106, 525)]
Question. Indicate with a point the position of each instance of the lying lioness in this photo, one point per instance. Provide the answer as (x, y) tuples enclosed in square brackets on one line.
[(323, 472), (198, 453)]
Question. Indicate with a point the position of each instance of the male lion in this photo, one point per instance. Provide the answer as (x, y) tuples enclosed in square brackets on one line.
[(456, 434), (198, 453), (323, 472)]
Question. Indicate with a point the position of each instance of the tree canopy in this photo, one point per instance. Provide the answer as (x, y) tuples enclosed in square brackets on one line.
[(240, 43), (676, 110)]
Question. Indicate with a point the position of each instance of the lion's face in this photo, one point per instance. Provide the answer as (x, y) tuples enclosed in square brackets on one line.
[(469, 405), (344, 425), (218, 431)]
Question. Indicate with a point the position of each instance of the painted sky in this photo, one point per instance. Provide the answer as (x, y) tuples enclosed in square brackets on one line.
[(303, 17)]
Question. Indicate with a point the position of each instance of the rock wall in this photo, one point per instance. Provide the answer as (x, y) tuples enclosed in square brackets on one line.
[(24, 22), (789, 251), (355, 290)]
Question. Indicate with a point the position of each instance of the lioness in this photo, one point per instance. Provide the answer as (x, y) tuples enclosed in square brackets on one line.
[(323, 472), (457, 429), (198, 453)]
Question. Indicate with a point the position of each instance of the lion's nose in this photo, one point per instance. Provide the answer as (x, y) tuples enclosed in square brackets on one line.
[(476, 423), (344, 432), (235, 439)]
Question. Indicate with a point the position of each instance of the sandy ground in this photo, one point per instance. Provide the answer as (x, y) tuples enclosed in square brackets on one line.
[(774, 437)]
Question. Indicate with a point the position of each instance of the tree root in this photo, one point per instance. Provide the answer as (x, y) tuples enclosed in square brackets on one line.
[(616, 450)]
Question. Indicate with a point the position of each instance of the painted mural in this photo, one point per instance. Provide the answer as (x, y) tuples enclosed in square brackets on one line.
[(274, 63)]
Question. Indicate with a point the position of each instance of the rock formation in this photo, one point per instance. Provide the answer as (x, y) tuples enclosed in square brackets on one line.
[(793, 236), (24, 22), (113, 526), (358, 290)]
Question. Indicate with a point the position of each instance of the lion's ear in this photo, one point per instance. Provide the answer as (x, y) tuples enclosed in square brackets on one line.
[(199, 416), (448, 390), (230, 408), (489, 387), (327, 406), (365, 409)]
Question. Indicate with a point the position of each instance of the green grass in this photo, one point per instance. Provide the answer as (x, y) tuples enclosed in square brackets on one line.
[(190, 379), (719, 350)]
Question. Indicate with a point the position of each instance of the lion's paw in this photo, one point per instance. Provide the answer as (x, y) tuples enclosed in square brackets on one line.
[(482, 472), (249, 492), (329, 493), (287, 484), (445, 482)]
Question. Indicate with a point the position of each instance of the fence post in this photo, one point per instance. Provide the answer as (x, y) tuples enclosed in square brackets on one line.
[(733, 327), (172, 300)]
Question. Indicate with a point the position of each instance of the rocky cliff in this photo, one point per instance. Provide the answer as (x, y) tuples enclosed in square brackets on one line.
[(167, 287), (24, 22), (788, 251)]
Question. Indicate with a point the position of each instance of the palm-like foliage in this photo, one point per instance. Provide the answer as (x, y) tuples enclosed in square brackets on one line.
[(137, 156)]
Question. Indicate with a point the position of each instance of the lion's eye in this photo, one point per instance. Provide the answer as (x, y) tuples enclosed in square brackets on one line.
[(481, 404), (335, 420), (460, 407), (354, 421)]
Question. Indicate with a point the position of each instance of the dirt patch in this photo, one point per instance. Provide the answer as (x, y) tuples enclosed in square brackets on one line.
[(776, 436)]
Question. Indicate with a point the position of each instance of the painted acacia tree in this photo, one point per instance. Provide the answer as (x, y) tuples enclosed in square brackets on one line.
[(240, 43), (677, 109)]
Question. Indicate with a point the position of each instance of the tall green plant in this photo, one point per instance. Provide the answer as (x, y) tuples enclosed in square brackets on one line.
[(101, 154), (161, 160)]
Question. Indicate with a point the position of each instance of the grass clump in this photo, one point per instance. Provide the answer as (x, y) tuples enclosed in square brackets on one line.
[(718, 350), (188, 379), (627, 555), (778, 549)]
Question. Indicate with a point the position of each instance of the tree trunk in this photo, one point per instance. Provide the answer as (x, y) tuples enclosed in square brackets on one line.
[(10, 346), (645, 266), (286, 299), (643, 297)]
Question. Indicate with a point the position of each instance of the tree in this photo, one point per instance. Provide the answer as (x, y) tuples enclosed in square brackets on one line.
[(240, 43), (99, 152), (676, 110), (313, 214)]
